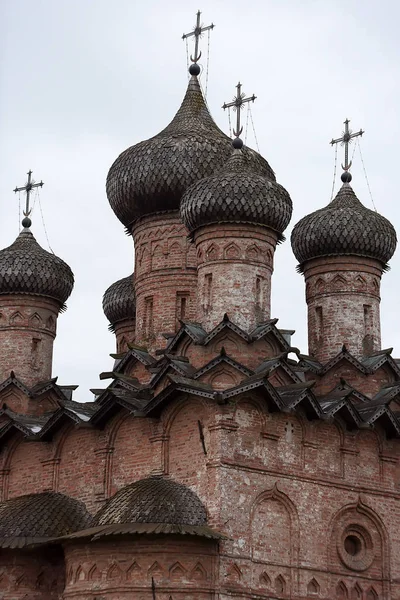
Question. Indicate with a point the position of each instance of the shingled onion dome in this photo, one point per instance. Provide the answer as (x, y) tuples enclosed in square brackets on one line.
[(151, 176), (25, 268), (239, 192), (343, 227), (35, 518), (153, 500), (119, 301)]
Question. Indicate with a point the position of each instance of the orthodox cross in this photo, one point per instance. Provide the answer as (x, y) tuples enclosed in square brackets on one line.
[(30, 184), (197, 32), (345, 140), (237, 104)]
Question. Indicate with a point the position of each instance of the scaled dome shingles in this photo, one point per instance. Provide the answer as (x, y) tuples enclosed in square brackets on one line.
[(37, 517), (153, 500), (343, 227), (239, 192), (151, 176), (26, 268), (119, 300)]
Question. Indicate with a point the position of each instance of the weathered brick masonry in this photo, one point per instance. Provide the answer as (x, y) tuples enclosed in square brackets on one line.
[(216, 461)]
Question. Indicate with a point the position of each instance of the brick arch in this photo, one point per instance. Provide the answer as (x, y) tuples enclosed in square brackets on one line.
[(359, 513), (76, 464), (25, 475), (131, 450), (277, 509), (185, 459)]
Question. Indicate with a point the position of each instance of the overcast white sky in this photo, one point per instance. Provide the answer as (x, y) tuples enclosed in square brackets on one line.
[(81, 80)]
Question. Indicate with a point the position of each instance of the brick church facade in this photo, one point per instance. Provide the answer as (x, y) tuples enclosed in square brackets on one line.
[(217, 461)]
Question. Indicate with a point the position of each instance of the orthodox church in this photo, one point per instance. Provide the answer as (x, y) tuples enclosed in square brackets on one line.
[(216, 461)]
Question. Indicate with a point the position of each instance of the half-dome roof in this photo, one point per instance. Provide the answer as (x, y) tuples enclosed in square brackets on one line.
[(119, 300), (343, 227), (37, 517), (239, 192), (151, 176), (26, 268), (153, 500)]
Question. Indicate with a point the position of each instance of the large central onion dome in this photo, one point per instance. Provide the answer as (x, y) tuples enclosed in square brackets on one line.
[(25, 268), (343, 227), (119, 301), (151, 176), (239, 192)]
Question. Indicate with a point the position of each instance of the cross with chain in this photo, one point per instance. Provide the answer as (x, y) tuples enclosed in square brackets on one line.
[(346, 140), (30, 184), (197, 32), (237, 104)]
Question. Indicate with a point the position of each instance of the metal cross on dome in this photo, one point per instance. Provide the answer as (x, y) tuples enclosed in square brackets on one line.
[(30, 184), (197, 33), (345, 140), (237, 104)]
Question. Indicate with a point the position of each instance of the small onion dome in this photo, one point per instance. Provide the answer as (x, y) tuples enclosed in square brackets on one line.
[(345, 226), (151, 176), (38, 517), (119, 300), (237, 193), (153, 500), (25, 268)]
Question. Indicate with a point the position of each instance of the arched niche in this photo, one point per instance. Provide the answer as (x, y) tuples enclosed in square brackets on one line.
[(133, 453), (25, 464), (274, 529), (188, 441), (79, 472)]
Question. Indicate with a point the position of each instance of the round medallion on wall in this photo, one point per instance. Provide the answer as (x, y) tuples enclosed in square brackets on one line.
[(355, 548)]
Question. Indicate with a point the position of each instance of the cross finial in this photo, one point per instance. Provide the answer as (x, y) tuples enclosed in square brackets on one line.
[(237, 105), (197, 33), (345, 140), (30, 184)]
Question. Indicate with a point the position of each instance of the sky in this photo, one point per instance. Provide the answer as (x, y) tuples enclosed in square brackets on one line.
[(82, 80)]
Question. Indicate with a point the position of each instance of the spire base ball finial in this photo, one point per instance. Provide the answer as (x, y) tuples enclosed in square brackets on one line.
[(346, 177), (194, 69), (237, 143), (26, 222)]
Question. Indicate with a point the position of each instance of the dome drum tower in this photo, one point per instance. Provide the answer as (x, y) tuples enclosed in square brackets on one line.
[(343, 249), (34, 285)]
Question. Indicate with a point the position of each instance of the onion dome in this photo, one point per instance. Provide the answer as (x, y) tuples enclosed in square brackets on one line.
[(119, 300), (25, 268), (239, 192), (39, 517), (345, 226), (153, 500), (151, 176)]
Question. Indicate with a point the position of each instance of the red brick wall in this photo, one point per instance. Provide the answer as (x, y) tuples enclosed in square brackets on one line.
[(37, 575), (124, 334), (27, 331), (182, 568), (235, 265), (165, 277), (343, 298)]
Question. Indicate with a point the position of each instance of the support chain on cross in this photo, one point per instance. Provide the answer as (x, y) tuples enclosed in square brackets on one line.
[(28, 187), (197, 32), (238, 101), (345, 140)]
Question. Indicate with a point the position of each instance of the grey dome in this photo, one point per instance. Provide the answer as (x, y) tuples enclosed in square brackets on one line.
[(25, 268), (119, 300), (40, 516), (239, 192), (153, 500), (345, 226), (151, 176)]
